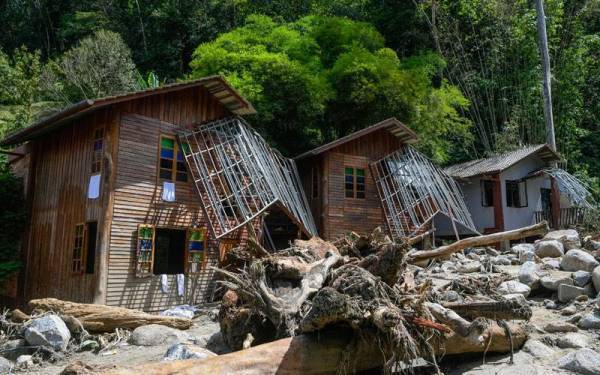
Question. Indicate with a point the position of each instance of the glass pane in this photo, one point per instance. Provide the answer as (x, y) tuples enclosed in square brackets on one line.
[(165, 174), (181, 167), (185, 147), (196, 245), (349, 179), (349, 194), (167, 143), (360, 194), (360, 180), (349, 186), (181, 176), (166, 164), (179, 156), (349, 170), (360, 172), (166, 153), (360, 187), (98, 145)]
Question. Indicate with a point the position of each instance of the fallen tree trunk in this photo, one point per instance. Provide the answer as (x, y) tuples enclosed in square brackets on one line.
[(488, 239), (325, 352), (102, 318), (505, 309)]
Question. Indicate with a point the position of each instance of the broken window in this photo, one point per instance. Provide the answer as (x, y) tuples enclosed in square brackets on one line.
[(315, 182), (78, 249), (516, 193), (171, 161), (196, 248), (487, 193), (354, 182), (145, 250), (169, 251), (98, 146)]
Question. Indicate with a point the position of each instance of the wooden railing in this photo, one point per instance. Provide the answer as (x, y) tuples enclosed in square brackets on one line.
[(567, 217)]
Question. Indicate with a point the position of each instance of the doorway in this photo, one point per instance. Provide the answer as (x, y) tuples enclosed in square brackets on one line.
[(169, 254)]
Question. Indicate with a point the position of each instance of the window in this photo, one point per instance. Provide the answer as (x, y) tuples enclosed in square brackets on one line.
[(487, 193), (196, 247), (84, 248), (516, 193), (354, 182), (78, 248), (171, 161), (169, 251), (98, 146), (315, 182)]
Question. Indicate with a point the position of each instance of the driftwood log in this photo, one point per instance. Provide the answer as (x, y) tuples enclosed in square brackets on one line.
[(478, 241), (102, 318), (326, 352)]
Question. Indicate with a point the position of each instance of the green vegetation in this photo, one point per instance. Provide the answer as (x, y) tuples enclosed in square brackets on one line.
[(12, 221)]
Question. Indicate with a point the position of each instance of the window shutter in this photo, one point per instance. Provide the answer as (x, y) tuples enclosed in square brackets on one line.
[(195, 250), (145, 250)]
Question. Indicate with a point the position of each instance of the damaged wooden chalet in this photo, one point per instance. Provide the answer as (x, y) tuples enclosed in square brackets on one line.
[(375, 178), (113, 195)]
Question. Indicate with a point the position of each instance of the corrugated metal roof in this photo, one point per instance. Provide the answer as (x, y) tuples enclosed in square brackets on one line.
[(398, 129), (500, 162), (216, 85)]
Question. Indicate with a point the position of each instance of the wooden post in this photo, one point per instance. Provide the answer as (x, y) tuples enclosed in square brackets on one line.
[(543, 40)]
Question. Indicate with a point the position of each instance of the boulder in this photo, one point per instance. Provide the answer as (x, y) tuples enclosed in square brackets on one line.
[(501, 260), (187, 351), (551, 263), (577, 259), (568, 237), (549, 249), (514, 287), (24, 361), (156, 334), (5, 366), (590, 321), (538, 349), (568, 293), (559, 326), (569, 310), (49, 331), (515, 297), (583, 361), (552, 280), (572, 340), (581, 278), (469, 267), (596, 278), (519, 248), (529, 274)]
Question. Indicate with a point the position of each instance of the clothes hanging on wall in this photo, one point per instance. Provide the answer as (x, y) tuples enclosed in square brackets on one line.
[(164, 283), (94, 186), (168, 193), (180, 285)]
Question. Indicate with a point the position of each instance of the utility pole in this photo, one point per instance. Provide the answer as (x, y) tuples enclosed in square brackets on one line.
[(543, 40)]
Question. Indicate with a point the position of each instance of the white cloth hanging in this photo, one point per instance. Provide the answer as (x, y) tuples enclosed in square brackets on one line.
[(164, 283), (180, 284), (168, 193), (94, 186)]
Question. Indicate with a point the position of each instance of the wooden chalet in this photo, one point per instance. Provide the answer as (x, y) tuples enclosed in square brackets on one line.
[(102, 228), (338, 183)]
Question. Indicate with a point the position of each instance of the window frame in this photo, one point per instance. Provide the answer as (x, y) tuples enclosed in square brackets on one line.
[(520, 184), (355, 184), (188, 264), (174, 171), (483, 183), (145, 268), (81, 261), (97, 154)]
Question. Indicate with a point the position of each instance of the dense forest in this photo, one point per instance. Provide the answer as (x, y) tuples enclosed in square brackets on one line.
[(464, 74)]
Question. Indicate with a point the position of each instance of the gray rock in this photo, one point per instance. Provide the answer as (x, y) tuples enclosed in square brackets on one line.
[(568, 293), (517, 297), (572, 340), (526, 256), (568, 237), (469, 267), (186, 351), (529, 274), (156, 334), (583, 361), (448, 267), (549, 249), (556, 278), (501, 260), (538, 349), (24, 361), (451, 296), (519, 248), (574, 319), (590, 321), (569, 310), (5, 366), (549, 304), (512, 287), (559, 326), (49, 331), (596, 278), (576, 260), (216, 344), (581, 278), (551, 263)]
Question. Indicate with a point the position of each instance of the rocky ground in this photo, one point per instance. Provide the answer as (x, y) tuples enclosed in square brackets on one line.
[(558, 276)]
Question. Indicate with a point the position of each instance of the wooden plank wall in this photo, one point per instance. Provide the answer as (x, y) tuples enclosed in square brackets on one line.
[(340, 214), (137, 198), (60, 178)]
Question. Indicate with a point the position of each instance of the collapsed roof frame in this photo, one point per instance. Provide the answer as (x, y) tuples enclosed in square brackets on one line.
[(575, 189), (413, 191), (238, 176)]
